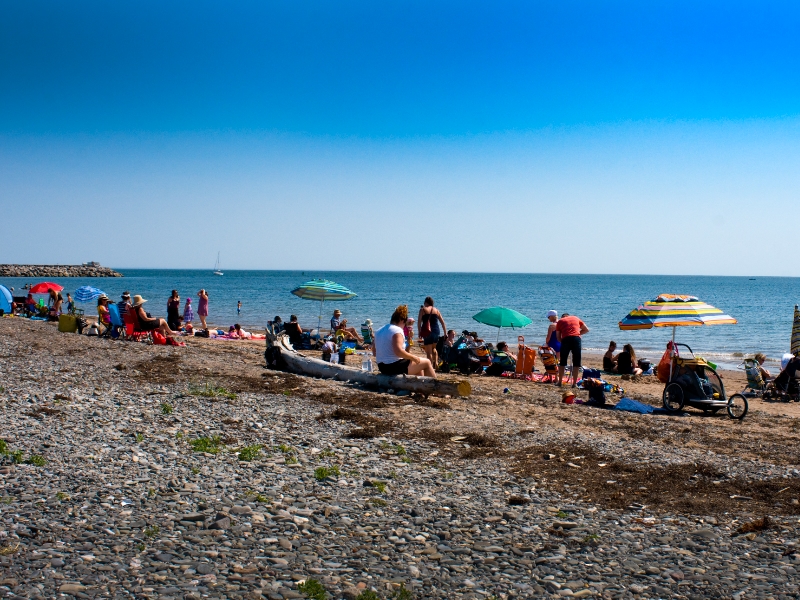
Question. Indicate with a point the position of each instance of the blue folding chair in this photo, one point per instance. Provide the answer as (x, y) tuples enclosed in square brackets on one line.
[(117, 329)]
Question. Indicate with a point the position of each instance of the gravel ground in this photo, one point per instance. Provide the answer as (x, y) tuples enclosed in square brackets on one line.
[(152, 472)]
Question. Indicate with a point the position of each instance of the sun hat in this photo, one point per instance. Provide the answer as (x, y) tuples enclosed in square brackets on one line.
[(102, 297), (138, 300), (368, 322), (337, 312), (552, 313), (126, 294)]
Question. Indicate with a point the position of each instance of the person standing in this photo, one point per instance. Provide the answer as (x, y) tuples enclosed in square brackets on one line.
[(173, 311), (551, 339), (239, 307), (188, 313), (390, 349), (569, 330), (70, 304), (202, 308), (429, 330)]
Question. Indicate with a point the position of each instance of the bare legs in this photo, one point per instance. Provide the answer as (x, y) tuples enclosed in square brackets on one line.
[(430, 352), (164, 328), (203, 321), (423, 367)]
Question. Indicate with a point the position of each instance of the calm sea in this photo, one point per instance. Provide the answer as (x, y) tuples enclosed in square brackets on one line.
[(764, 306)]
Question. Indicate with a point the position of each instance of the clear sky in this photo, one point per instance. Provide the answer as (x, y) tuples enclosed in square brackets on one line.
[(600, 137)]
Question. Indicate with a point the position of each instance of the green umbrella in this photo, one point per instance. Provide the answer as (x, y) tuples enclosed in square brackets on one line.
[(498, 316), (322, 289)]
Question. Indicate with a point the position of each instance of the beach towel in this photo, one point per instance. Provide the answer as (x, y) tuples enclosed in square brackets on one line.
[(629, 405)]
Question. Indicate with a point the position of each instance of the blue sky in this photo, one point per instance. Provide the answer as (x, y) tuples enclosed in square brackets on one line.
[(561, 136)]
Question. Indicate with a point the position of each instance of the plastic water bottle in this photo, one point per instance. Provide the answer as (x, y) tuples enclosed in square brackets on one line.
[(366, 364)]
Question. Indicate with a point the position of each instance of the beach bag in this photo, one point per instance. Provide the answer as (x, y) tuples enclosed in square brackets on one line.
[(664, 365), (274, 359), (596, 389), (67, 323), (159, 339), (425, 325), (526, 358)]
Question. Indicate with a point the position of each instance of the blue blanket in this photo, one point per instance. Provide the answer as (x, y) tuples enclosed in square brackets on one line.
[(639, 407)]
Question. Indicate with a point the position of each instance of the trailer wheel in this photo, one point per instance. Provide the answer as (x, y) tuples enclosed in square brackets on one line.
[(737, 407), (673, 397)]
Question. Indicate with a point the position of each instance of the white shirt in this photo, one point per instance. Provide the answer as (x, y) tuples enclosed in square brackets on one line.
[(384, 347)]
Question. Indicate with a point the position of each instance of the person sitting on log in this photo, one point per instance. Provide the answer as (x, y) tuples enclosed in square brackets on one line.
[(390, 349)]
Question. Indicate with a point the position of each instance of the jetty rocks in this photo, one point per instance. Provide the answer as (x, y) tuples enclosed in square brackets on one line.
[(86, 270)]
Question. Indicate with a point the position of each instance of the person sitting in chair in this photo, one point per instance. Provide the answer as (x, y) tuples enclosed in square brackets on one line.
[(103, 315), (765, 375), (149, 323)]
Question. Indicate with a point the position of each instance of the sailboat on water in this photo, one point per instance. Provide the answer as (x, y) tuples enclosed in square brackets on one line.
[(217, 270)]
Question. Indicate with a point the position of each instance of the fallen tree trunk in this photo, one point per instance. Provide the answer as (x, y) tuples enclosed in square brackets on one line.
[(305, 365)]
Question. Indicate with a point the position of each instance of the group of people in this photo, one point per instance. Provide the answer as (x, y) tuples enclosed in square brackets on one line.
[(624, 363), (169, 327)]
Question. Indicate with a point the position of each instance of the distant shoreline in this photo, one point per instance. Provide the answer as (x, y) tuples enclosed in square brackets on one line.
[(57, 271)]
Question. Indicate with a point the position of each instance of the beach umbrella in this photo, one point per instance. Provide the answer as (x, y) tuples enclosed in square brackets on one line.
[(321, 290), (44, 287), (88, 293), (796, 331), (499, 316), (5, 299), (671, 310)]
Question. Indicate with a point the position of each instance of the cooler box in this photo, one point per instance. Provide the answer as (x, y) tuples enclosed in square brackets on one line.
[(68, 323)]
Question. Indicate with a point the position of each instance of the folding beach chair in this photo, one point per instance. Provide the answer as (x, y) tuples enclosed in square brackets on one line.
[(117, 328), (366, 333), (132, 331), (550, 363), (755, 382)]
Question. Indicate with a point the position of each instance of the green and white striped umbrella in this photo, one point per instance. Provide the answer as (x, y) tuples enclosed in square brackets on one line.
[(322, 289)]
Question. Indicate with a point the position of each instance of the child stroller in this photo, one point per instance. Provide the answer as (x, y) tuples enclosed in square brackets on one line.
[(693, 382)]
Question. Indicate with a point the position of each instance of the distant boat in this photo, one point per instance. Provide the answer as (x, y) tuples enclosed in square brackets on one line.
[(216, 267), (752, 279)]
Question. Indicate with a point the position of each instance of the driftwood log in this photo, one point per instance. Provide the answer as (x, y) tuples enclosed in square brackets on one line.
[(305, 365)]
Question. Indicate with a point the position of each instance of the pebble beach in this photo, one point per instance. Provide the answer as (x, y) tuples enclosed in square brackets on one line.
[(139, 471)]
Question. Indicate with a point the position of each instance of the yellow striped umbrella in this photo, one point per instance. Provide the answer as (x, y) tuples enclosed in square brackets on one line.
[(671, 310)]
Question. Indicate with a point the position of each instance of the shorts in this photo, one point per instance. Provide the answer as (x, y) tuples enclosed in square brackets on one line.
[(431, 339), (396, 368), (571, 344), (148, 325)]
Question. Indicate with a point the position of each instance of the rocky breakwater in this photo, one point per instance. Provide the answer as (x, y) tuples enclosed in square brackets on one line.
[(57, 271)]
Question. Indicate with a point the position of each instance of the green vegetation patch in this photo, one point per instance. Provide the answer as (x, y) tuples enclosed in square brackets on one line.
[(211, 445)]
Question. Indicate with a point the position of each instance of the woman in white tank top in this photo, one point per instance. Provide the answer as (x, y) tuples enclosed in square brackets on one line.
[(390, 349)]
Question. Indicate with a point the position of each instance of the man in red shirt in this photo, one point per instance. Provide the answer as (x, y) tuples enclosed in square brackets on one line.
[(569, 331)]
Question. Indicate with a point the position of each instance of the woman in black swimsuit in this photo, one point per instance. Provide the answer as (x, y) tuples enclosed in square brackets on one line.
[(147, 323)]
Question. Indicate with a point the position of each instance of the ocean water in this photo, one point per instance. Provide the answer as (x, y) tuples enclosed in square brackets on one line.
[(764, 307)]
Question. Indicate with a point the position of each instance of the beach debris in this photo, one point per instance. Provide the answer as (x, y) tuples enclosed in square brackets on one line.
[(761, 524)]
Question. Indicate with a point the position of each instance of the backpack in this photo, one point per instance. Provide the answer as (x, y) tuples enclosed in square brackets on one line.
[(275, 359)]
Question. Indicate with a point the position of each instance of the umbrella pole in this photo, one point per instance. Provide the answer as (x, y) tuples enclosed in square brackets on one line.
[(671, 353), (319, 319)]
